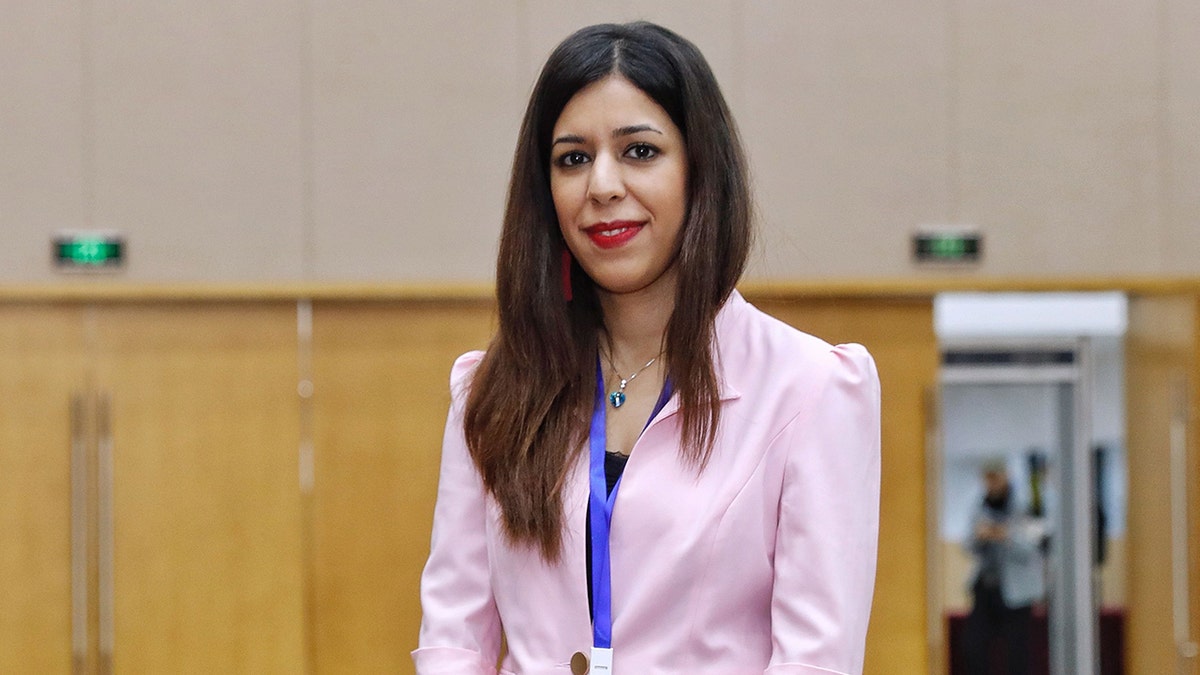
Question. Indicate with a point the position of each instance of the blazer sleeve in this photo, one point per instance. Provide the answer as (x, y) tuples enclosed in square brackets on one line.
[(828, 531), (460, 626)]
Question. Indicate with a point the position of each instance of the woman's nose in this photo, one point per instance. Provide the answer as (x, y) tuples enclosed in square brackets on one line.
[(605, 183)]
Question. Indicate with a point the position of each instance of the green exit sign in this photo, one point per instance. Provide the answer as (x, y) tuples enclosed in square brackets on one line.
[(948, 246), (88, 250)]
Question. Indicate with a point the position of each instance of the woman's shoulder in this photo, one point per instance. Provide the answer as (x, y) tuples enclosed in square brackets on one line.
[(768, 342), (463, 370), (465, 364)]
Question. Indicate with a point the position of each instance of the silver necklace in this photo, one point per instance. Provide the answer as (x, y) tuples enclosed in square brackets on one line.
[(617, 397)]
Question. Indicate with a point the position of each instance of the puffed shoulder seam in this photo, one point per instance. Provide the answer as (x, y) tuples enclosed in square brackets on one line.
[(848, 359), (464, 366), (462, 371), (853, 355), (855, 368)]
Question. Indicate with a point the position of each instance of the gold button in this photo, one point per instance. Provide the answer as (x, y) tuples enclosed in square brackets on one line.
[(579, 664)]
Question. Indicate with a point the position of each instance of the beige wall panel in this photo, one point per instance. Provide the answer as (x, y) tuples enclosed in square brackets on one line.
[(42, 182), (712, 25), (381, 394), (1056, 122), (1181, 238), (198, 136), (416, 109), (900, 336), (283, 140), (845, 120)]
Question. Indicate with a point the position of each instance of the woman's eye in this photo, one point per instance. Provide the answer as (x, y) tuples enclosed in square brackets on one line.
[(572, 158), (642, 151)]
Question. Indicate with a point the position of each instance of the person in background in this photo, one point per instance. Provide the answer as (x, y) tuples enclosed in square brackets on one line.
[(1008, 578), (645, 474)]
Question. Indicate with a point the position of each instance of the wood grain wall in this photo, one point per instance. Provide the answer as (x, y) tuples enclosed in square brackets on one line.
[(1163, 357), (900, 336), (380, 396)]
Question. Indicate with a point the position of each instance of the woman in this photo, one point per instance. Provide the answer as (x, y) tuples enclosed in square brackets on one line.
[(745, 454)]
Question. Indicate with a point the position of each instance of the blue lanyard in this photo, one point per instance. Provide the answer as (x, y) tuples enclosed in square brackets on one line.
[(601, 503)]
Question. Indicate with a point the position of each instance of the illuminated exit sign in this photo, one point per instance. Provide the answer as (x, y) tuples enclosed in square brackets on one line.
[(947, 246), (84, 251)]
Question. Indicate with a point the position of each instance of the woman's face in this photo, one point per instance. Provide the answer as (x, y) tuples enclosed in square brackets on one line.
[(618, 177)]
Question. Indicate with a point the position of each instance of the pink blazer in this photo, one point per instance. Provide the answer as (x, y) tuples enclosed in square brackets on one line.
[(763, 563)]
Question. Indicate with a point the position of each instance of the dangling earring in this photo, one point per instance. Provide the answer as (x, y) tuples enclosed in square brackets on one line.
[(566, 273)]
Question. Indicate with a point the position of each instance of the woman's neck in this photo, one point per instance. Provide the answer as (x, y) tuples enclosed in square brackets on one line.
[(636, 323)]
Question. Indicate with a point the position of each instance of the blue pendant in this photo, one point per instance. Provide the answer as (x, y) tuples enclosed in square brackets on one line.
[(617, 399)]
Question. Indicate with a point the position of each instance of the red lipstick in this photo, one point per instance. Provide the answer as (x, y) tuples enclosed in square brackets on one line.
[(614, 234)]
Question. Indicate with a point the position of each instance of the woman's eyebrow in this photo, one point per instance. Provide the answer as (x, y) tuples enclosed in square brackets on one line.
[(617, 133), (633, 129)]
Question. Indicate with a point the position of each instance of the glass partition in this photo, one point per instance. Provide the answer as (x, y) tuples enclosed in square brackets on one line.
[(1024, 528)]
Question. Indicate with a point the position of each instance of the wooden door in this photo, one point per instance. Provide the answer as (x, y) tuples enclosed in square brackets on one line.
[(380, 397), (206, 518), (42, 364), (1162, 394)]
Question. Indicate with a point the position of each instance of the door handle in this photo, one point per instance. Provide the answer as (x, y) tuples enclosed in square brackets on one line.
[(1180, 583), (935, 597), (80, 520), (104, 508)]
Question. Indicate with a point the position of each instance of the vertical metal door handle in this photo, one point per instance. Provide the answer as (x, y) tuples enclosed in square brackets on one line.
[(105, 516), (79, 534), (935, 584), (1180, 584)]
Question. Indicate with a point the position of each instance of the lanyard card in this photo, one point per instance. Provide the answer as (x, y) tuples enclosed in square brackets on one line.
[(601, 661)]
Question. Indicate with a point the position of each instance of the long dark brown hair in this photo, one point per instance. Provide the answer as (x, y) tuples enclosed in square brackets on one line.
[(530, 401)]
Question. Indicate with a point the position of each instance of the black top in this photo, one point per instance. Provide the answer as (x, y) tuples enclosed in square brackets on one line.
[(614, 465)]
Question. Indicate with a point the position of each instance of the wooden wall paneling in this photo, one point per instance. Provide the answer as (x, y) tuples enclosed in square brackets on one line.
[(1193, 507), (42, 360), (381, 394), (207, 525), (380, 374), (1191, 662), (899, 334), (1162, 347)]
